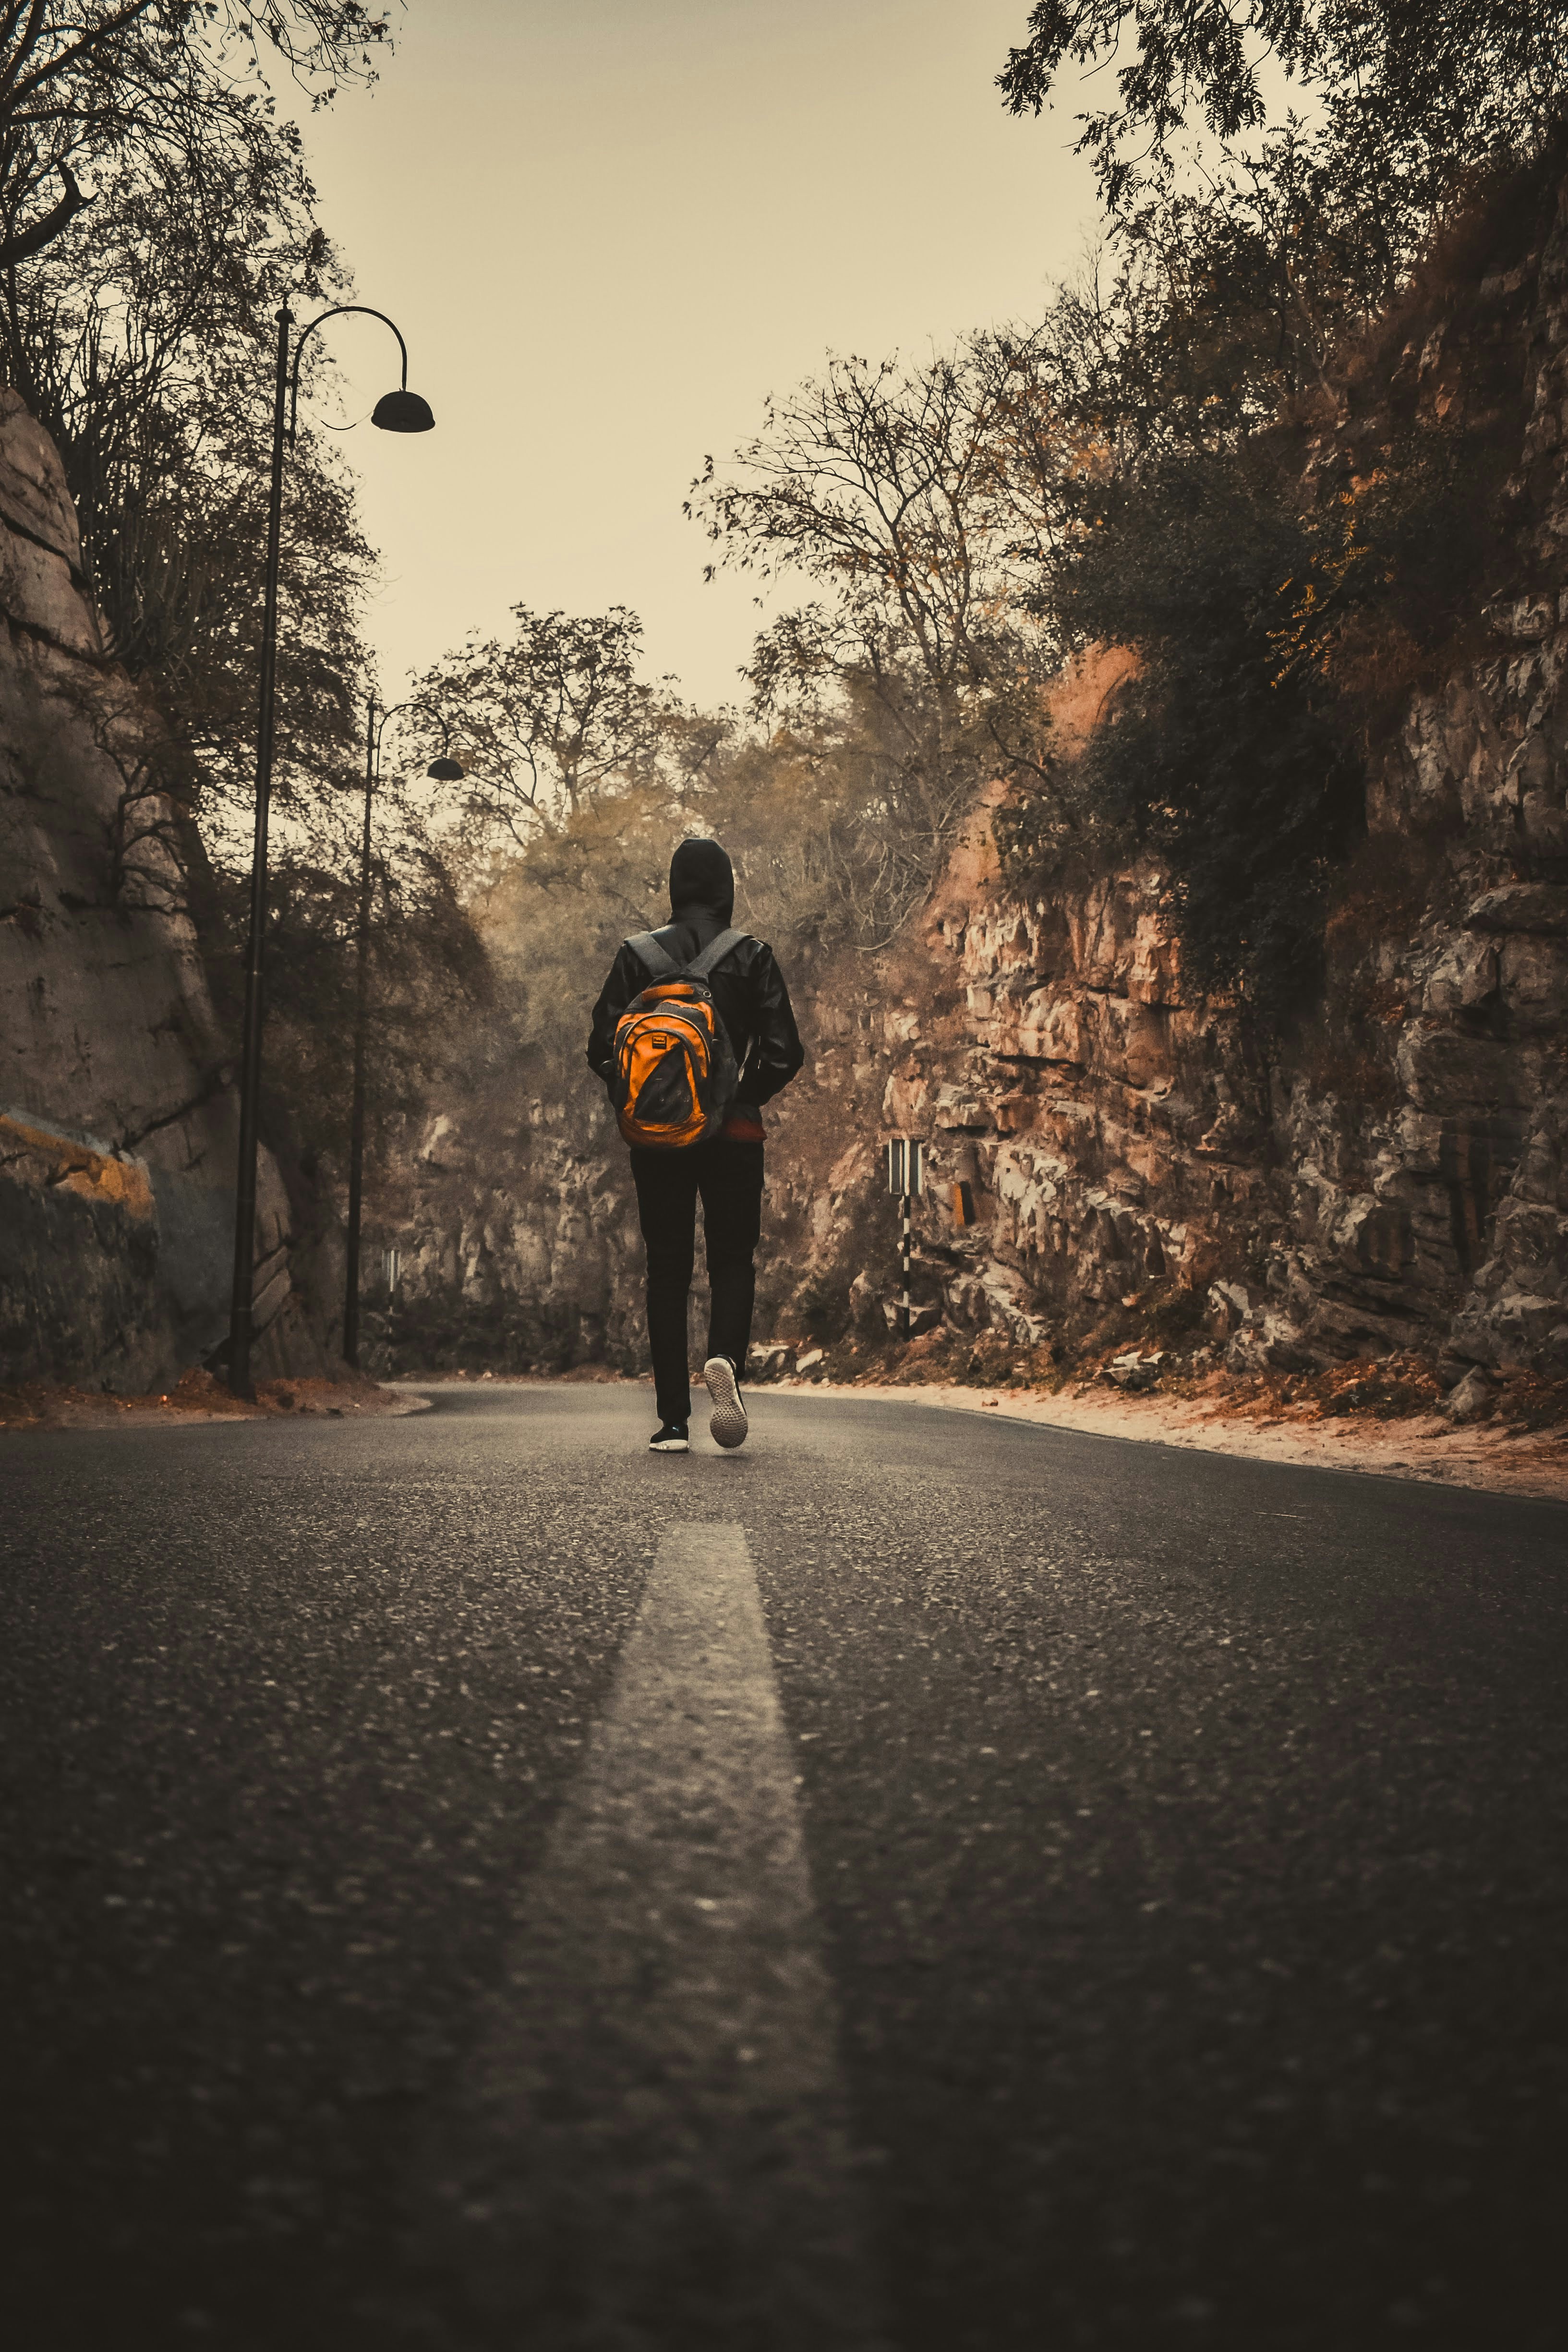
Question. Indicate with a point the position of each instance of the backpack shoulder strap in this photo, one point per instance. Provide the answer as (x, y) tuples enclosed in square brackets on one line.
[(654, 960), (714, 953)]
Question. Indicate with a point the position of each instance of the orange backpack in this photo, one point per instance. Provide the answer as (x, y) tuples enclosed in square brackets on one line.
[(675, 1073)]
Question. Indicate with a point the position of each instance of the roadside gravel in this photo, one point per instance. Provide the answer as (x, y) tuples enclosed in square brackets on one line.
[(1494, 1458)]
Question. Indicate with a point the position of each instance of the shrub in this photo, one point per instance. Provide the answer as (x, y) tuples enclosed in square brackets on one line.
[(1223, 762)]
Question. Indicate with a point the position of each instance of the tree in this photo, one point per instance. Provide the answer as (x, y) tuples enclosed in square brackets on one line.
[(891, 487), (1411, 90), (553, 718), (917, 500), (1282, 588), (1218, 754), (83, 81), (143, 340)]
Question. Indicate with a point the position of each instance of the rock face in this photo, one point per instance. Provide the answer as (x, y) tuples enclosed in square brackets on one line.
[(1397, 1179), (1397, 1182), (506, 1233), (118, 1118), (1130, 1148)]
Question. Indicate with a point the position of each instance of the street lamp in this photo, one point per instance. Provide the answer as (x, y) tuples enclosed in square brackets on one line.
[(444, 770), (395, 412)]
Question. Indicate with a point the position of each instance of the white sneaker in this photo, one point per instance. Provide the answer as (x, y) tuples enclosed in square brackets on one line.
[(728, 1426)]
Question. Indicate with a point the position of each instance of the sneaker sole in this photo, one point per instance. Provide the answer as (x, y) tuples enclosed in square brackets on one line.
[(728, 1426), (671, 1445)]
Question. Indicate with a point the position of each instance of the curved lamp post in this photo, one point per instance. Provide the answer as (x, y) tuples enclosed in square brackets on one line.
[(445, 770), (395, 412)]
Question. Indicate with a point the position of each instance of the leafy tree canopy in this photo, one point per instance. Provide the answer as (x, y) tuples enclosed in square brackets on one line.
[(1436, 83), (141, 336), (84, 81), (552, 719)]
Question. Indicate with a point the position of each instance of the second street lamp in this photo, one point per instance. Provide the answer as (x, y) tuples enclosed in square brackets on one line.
[(445, 770), (396, 411)]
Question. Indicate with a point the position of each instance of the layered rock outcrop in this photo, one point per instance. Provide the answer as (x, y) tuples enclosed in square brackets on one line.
[(505, 1234), (1393, 1178), (1397, 1183), (1396, 1180), (1396, 1177), (117, 1117)]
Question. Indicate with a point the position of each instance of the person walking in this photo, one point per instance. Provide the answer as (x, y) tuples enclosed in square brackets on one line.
[(692, 1034)]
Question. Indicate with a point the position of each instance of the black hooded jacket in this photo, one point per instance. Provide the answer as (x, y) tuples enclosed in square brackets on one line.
[(748, 988)]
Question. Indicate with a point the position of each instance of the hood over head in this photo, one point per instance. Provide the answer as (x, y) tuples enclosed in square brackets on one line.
[(700, 875)]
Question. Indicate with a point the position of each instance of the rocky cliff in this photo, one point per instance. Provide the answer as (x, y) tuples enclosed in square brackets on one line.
[(504, 1233), (118, 1116), (1390, 1178), (1393, 1177)]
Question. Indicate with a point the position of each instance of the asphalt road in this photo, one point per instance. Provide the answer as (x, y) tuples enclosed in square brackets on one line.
[(1136, 1891)]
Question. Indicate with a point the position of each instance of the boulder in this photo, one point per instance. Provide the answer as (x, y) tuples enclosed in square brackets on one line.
[(863, 1302), (921, 1319), (1475, 1398)]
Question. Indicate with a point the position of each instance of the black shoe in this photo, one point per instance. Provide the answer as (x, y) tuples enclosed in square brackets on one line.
[(669, 1437), (729, 1422)]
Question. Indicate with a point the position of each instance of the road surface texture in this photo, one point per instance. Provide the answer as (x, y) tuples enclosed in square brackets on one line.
[(914, 1886)]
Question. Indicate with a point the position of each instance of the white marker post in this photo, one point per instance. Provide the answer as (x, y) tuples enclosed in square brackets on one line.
[(905, 1177)]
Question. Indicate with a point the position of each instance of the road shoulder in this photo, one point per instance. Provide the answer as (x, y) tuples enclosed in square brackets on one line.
[(199, 1398), (1496, 1460)]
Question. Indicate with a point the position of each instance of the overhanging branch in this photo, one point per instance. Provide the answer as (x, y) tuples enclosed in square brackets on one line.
[(29, 241)]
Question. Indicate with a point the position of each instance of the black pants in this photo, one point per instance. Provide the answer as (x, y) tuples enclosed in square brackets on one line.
[(729, 1176)]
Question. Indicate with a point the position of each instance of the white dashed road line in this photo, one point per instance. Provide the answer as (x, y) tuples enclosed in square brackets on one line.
[(654, 2148)]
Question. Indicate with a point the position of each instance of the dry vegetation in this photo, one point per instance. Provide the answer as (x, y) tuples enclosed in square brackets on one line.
[(197, 1396)]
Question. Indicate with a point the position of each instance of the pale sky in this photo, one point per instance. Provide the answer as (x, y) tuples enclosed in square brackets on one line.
[(607, 228)]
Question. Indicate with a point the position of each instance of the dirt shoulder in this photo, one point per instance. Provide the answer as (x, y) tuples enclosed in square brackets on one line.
[(1361, 1419), (199, 1397), (1496, 1456), (1376, 1418), (1396, 1416)]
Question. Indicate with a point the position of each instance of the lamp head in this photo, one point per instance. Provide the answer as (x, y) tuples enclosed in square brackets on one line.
[(403, 412), (445, 771)]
